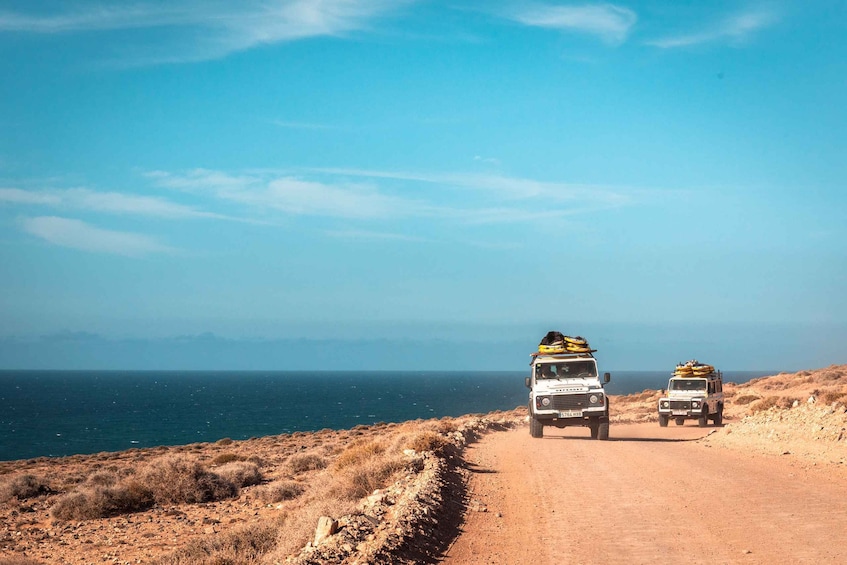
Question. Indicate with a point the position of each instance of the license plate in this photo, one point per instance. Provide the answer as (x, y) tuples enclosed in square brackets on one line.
[(570, 414), (680, 412)]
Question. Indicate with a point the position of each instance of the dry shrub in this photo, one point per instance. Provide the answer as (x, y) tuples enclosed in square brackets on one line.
[(226, 458), (831, 374), (358, 481), (281, 490), (299, 528), (102, 479), (303, 462), (244, 547), (746, 399), (103, 502), (240, 473), (358, 452), (772, 402), (175, 479), (428, 441), (830, 396), (224, 441), (22, 487)]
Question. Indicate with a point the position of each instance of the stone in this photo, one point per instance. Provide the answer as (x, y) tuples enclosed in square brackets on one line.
[(326, 527)]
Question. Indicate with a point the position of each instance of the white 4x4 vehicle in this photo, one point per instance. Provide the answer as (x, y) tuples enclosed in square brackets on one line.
[(693, 398), (566, 391)]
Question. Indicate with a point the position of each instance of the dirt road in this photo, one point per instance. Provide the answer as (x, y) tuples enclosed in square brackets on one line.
[(648, 495)]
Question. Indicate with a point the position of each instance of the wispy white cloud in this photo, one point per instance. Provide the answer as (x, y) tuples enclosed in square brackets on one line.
[(107, 202), (81, 235), (389, 195), (609, 22), (203, 30), (293, 195), (18, 196), (735, 29)]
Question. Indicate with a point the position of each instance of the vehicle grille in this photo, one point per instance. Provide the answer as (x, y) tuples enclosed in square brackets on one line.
[(570, 401), (680, 405)]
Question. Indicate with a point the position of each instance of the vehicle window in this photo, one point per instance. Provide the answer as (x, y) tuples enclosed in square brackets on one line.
[(687, 384), (572, 370)]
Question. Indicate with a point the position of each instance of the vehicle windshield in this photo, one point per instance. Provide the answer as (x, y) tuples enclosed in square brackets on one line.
[(687, 384), (571, 370)]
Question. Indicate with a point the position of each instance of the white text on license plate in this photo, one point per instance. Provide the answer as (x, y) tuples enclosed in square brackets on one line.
[(680, 413), (570, 414)]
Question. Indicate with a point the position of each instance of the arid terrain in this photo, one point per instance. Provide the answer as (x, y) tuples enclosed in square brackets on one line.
[(768, 486)]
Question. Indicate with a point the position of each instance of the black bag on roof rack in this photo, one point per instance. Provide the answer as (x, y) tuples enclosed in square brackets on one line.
[(553, 338)]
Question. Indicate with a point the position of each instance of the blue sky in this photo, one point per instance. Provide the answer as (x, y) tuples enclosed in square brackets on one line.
[(669, 176)]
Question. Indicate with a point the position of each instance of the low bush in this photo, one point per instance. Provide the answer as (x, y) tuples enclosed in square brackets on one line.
[(103, 502), (244, 547), (226, 458), (240, 473), (22, 487), (280, 491), (303, 462), (18, 561), (746, 399), (176, 479), (772, 402), (224, 441), (428, 441)]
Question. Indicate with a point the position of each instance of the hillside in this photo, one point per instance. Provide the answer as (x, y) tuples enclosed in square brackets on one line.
[(391, 493)]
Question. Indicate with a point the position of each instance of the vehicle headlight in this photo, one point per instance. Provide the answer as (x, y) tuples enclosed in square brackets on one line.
[(695, 404), (593, 399), (542, 401), (665, 404)]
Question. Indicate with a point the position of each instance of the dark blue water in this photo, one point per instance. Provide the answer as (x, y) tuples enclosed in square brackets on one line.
[(56, 413)]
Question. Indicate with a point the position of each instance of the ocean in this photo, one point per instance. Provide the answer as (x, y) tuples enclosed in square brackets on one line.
[(58, 413)]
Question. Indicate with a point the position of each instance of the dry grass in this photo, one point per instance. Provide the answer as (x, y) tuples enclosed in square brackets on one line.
[(243, 547), (746, 399), (770, 402), (428, 441)]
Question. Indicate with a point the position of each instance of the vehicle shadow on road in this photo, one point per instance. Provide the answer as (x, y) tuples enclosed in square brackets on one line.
[(636, 439)]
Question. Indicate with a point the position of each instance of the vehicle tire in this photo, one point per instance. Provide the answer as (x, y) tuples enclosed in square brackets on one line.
[(536, 428), (603, 431), (718, 417), (703, 420), (663, 420), (594, 426), (679, 421)]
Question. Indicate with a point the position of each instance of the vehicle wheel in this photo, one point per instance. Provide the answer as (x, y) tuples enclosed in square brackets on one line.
[(594, 426), (679, 421), (603, 431), (663, 420), (703, 420), (536, 428), (718, 417)]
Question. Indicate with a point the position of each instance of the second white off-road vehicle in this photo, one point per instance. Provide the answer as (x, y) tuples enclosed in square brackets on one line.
[(693, 397), (565, 390)]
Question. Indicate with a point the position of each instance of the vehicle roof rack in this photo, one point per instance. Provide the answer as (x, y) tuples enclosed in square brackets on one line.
[(566, 355)]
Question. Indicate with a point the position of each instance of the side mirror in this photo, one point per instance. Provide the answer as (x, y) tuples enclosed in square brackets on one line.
[(526, 382), (607, 377)]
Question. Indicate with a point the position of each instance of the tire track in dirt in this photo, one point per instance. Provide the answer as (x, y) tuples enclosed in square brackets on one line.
[(648, 495)]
